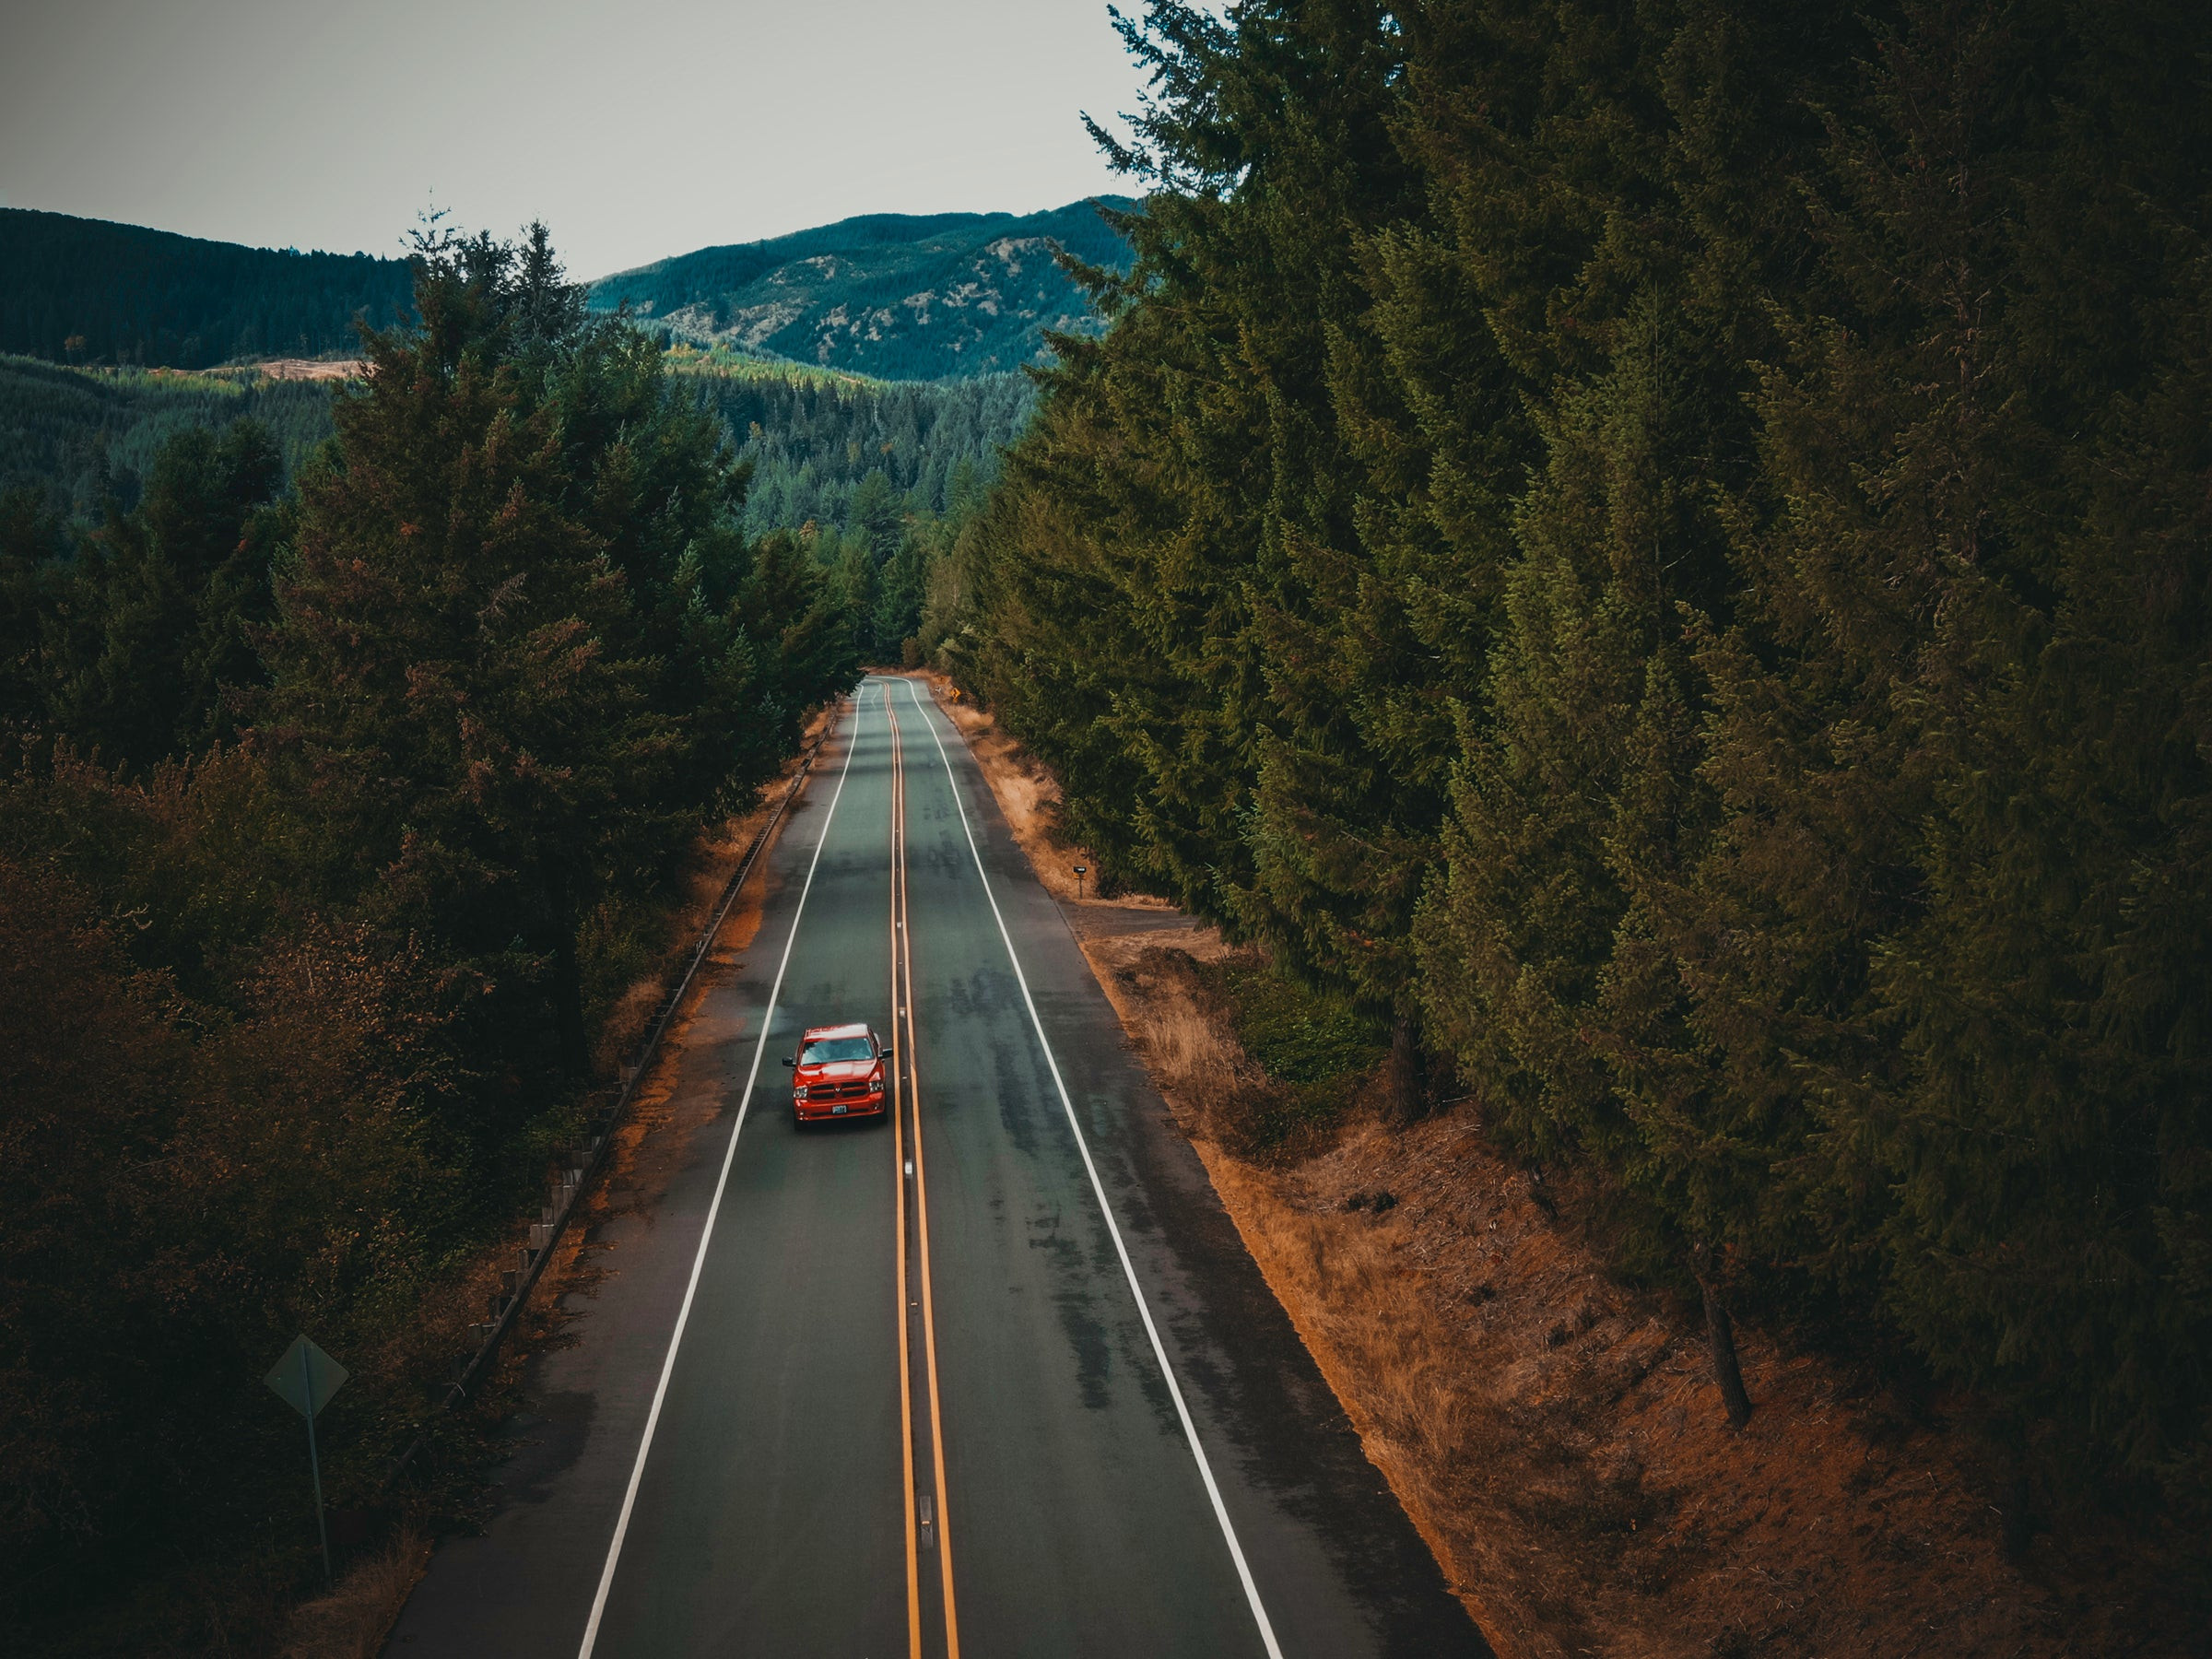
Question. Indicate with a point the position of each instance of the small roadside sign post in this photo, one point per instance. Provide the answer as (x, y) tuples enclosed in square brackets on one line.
[(1081, 871), (305, 1379)]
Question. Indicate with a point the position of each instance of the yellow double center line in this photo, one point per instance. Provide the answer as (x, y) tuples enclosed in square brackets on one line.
[(906, 1118)]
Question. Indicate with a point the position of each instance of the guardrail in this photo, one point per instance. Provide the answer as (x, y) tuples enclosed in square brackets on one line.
[(580, 1163)]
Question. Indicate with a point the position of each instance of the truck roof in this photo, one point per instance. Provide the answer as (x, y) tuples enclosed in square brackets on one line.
[(856, 1030)]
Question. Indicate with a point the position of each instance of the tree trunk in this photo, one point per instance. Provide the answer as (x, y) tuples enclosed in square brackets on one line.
[(1719, 1338), (2019, 1520), (1404, 1077), (568, 999)]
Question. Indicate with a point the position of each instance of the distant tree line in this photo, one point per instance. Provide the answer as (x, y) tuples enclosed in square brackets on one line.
[(85, 290), (812, 439), (878, 479), (1663, 552), (333, 822)]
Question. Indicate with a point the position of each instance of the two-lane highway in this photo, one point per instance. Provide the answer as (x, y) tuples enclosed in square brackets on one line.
[(994, 1376)]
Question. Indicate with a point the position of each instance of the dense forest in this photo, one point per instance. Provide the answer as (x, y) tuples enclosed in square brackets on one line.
[(88, 291), (1661, 553), (891, 295), (878, 479), (335, 816), (809, 440), (812, 439), (82, 437)]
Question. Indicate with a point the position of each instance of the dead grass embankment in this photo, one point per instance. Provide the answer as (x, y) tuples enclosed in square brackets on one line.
[(314, 369), (1555, 1434), (353, 1619)]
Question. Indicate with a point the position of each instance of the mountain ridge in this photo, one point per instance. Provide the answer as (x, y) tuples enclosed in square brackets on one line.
[(892, 296), (896, 296), (99, 290)]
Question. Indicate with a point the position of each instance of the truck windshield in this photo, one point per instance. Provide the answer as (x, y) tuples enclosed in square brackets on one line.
[(838, 1048)]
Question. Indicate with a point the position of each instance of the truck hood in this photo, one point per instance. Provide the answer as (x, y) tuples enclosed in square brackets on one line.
[(836, 1071)]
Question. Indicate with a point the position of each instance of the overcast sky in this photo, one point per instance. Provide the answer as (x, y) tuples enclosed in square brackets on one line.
[(635, 129)]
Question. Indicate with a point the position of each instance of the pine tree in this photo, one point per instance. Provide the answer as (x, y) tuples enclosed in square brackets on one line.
[(875, 513), (1711, 497), (448, 655), (32, 548), (167, 597), (2045, 1133)]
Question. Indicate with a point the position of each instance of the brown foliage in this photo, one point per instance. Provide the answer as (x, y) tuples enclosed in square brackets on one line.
[(352, 1621), (187, 1186), (88, 1102)]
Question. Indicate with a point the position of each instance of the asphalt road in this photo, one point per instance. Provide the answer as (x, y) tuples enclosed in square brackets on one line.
[(995, 1376)]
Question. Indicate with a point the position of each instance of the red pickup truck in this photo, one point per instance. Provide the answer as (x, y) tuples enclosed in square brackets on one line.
[(837, 1073)]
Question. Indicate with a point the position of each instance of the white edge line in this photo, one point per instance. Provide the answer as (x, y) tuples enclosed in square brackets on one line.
[(675, 1341), (1190, 1429)]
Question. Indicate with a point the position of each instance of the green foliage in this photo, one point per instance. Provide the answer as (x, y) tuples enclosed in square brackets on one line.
[(154, 627), (512, 652), (88, 291), (1297, 1035), (1318, 1054), (86, 437), (812, 439), (1665, 550)]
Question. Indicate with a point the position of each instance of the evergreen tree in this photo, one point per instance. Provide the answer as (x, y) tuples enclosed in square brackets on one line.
[(899, 598), (456, 656), (875, 513), (1710, 498), (2011, 1051), (32, 548), (165, 601)]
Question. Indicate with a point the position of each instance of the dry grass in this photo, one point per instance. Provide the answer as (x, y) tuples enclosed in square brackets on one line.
[(1183, 1033), (352, 1621), (1151, 989), (1556, 1437), (314, 369)]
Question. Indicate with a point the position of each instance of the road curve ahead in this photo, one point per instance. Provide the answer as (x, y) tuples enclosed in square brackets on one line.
[(994, 1376)]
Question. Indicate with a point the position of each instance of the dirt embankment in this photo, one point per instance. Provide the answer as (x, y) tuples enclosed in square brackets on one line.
[(1556, 1435)]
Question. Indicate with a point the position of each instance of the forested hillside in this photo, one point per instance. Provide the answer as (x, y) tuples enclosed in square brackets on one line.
[(84, 437), (88, 291), (813, 439), (889, 295), (332, 822), (809, 439), (1662, 553)]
